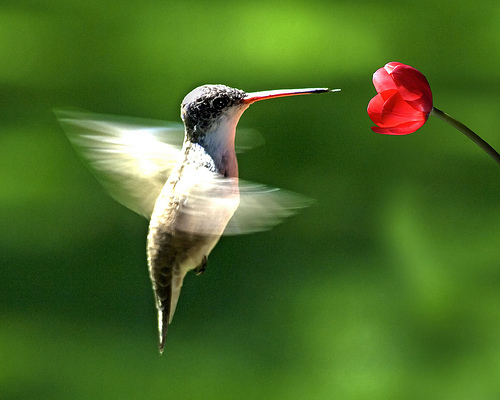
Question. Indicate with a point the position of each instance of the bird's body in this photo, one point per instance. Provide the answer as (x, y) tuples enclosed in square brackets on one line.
[(179, 238), (182, 232), (191, 202)]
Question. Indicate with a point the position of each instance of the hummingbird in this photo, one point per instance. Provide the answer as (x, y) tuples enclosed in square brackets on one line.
[(189, 189)]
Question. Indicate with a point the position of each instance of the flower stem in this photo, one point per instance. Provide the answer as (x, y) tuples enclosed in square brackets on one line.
[(467, 132)]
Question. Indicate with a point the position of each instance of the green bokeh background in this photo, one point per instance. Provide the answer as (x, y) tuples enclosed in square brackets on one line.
[(387, 288)]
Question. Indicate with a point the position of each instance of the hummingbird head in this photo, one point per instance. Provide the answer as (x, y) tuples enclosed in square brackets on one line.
[(205, 109)]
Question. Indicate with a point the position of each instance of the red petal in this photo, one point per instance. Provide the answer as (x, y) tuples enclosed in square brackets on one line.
[(413, 87), (389, 67), (402, 129), (396, 111), (376, 104), (375, 107), (382, 80)]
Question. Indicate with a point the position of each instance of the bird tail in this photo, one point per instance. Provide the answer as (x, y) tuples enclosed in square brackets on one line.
[(162, 328), (166, 303)]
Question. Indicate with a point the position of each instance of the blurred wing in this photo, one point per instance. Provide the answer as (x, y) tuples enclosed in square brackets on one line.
[(262, 207), (206, 201), (246, 139), (131, 157), (209, 207)]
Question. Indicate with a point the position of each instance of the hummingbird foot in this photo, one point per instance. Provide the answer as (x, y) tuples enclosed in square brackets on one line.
[(202, 267)]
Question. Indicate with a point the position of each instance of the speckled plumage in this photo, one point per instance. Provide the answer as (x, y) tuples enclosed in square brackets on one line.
[(204, 105)]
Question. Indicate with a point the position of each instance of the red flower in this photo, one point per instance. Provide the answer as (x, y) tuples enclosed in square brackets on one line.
[(403, 102)]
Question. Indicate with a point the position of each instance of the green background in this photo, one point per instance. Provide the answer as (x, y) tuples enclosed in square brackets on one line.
[(387, 288)]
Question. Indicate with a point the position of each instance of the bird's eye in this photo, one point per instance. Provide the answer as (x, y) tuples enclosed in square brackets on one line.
[(220, 102)]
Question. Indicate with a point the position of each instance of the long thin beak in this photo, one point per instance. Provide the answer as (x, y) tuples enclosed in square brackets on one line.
[(270, 94)]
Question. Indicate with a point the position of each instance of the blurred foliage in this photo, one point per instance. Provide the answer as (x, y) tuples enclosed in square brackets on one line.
[(387, 288)]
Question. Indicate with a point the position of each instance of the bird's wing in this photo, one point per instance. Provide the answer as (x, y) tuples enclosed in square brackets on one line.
[(132, 157), (260, 207)]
